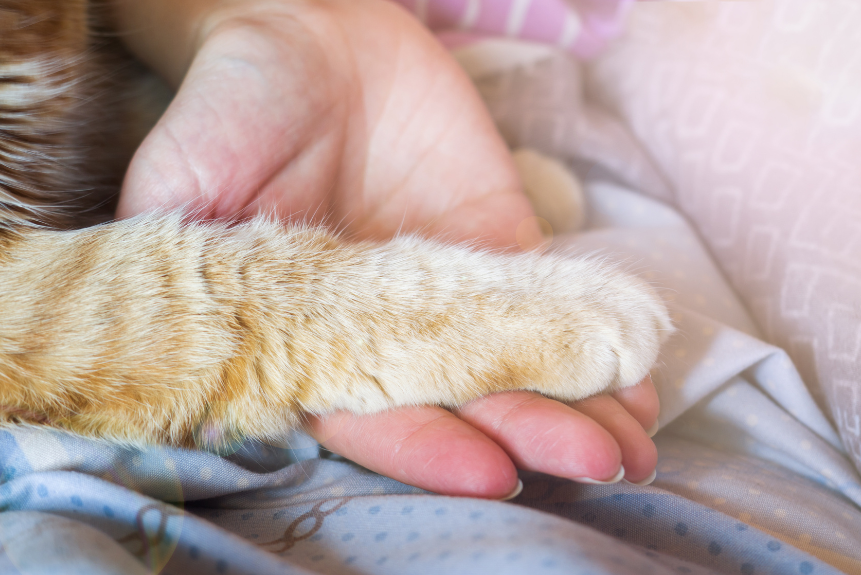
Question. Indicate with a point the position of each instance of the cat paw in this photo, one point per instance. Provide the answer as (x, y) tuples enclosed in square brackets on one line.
[(610, 330)]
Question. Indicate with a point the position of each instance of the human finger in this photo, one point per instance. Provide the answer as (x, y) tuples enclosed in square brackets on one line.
[(427, 447), (639, 454), (642, 402), (540, 434)]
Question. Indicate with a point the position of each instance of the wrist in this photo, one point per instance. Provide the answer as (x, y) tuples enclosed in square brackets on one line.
[(164, 34)]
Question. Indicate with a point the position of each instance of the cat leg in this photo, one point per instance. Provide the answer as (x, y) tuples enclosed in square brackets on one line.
[(157, 331)]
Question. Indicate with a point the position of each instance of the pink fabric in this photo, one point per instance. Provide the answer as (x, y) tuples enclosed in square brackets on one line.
[(581, 26)]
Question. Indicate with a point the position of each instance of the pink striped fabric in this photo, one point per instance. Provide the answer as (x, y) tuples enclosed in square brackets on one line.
[(581, 26)]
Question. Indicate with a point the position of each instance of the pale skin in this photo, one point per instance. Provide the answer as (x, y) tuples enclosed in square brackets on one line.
[(349, 113)]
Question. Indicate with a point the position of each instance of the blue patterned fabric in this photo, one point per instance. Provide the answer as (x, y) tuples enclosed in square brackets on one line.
[(751, 479)]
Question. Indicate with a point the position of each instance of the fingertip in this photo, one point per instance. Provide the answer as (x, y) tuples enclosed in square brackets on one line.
[(465, 463), (157, 178), (642, 402), (647, 481), (653, 431), (641, 462), (602, 462), (517, 490), (543, 435), (529, 234), (639, 453), (615, 479)]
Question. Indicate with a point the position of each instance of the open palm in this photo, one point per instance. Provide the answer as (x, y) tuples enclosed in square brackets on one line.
[(350, 114)]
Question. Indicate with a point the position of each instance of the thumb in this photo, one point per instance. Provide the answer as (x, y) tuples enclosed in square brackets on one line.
[(232, 133), (183, 161)]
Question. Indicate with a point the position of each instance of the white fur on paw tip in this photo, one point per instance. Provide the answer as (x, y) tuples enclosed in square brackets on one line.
[(623, 325), (645, 325), (554, 191)]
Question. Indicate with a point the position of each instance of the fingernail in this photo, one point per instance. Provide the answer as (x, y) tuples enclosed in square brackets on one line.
[(517, 489), (616, 478), (653, 430), (646, 481)]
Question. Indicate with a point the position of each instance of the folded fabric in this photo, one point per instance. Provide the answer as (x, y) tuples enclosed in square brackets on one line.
[(582, 26)]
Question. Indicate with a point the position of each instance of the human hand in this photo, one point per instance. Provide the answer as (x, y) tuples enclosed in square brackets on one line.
[(351, 114)]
